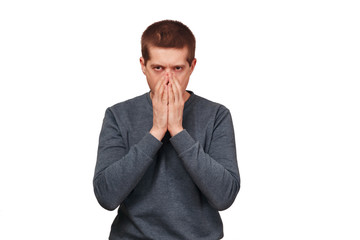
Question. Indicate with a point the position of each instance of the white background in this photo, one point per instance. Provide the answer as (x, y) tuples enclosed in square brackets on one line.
[(287, 70)]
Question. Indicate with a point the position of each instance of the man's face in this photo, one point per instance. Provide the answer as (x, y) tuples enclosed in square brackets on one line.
[(167, 61)]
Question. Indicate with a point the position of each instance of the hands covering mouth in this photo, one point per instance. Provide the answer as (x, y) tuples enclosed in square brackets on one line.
[(168, 106)]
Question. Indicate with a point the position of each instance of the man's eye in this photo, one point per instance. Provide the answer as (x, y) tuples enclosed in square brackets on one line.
[(178, 68), (157, 68)]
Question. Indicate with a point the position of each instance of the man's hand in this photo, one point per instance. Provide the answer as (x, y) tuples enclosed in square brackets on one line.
[(175, 107), (160, 108)]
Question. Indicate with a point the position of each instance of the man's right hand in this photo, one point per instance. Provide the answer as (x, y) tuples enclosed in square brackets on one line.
[(159, 99)]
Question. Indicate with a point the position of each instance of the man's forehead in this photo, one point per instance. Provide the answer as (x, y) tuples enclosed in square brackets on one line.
[(168, 51), (166, 56), (153, 47)]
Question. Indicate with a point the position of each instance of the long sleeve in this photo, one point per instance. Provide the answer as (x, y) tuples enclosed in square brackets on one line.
[(215, 173), (120, 167)]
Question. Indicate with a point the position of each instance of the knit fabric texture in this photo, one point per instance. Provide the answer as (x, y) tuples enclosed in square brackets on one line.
[(169, 189)]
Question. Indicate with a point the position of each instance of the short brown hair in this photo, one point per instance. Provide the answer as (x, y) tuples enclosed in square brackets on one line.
[(168, 34)]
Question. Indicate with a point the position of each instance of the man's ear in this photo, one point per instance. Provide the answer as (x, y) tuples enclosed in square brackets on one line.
[(193, 63), (142, 63)]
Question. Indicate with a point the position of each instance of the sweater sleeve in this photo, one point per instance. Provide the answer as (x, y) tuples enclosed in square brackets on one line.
[(119, 169), (215, 173)]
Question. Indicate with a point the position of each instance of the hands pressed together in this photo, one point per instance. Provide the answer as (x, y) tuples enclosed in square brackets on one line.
[(168, 106)]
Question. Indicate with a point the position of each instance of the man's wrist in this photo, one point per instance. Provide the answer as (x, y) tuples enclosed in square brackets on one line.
[(158, 134), (173, 132)]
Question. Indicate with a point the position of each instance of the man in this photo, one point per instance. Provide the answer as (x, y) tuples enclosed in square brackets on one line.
[(167, 158)]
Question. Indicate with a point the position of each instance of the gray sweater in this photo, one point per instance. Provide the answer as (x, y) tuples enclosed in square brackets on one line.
[(171, 189)]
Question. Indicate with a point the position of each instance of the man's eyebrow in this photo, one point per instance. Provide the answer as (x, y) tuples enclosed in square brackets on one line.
[(155, 65), (172, 66)]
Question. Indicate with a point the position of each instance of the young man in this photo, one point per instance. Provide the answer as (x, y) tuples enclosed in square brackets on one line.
[(167, 158)]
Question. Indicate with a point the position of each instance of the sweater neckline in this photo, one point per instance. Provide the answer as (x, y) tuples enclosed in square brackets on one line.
[(187, 103)]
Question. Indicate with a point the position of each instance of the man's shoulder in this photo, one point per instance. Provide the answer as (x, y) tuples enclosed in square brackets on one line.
[(205, 103), (131, 103)]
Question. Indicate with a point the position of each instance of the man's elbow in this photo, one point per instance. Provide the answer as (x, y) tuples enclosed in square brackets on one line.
[(103, 199), (223, 204), (224, 201), (108, 205)]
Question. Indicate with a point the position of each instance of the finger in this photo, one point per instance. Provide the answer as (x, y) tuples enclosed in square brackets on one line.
[(162, 92), (157, 87), (177, 89), (173, 88), (165, 97), (171, 94)]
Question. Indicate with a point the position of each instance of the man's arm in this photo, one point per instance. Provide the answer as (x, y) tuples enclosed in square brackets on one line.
[(215, 173), (118, 169)]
